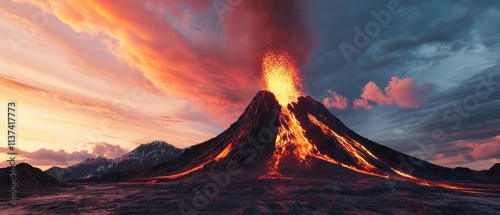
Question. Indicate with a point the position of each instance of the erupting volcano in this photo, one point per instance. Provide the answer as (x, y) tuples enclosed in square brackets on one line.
[(285, 135)]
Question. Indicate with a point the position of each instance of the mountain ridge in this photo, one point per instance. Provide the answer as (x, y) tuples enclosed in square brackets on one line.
[(143, 156)]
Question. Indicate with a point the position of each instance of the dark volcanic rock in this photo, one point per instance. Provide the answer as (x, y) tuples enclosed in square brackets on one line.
[(255, 127), (494, 170), (28, 178)]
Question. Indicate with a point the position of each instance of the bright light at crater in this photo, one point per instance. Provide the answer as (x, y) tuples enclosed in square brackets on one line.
[(281, 77)]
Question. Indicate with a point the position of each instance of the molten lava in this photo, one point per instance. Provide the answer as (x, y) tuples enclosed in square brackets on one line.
[(217, 158), (349, 145), (281, 77)]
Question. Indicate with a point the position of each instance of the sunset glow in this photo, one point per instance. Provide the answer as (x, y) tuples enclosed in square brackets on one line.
[(123, 73)]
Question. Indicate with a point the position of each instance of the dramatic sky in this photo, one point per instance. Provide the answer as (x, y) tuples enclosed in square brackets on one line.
[(101, 77)]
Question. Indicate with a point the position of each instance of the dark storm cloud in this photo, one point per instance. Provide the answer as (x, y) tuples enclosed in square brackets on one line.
[(447, 43)]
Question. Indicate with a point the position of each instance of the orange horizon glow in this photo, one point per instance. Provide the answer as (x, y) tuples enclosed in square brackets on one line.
[(86, 73)]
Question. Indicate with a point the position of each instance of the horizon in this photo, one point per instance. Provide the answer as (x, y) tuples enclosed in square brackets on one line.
[(94, 83)]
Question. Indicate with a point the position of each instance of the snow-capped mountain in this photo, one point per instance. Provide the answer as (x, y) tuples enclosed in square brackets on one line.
[(142, 157)]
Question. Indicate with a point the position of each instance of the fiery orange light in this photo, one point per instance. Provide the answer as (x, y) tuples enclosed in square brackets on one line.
[(281, 77), (348, 144), (403, 174), (224, 152), (430, 183), (217, 158), (174, 176), (290, 136)]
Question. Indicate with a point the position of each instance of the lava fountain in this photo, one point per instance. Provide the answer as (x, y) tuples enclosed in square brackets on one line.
[(281, 77)]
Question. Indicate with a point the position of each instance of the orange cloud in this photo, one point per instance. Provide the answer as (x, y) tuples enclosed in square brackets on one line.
[(336, 101), (403, 93), (406, 93), (362, 103), (108, 150), (470, 152), (15, 85), (372, 92), (182, 54), (87, 104), (47, 158)]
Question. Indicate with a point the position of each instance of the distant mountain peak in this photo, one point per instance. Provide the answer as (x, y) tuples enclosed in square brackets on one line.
[(145, 155)]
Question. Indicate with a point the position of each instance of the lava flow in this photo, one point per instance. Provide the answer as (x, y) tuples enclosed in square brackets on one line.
[(217, 158), (281, 78)]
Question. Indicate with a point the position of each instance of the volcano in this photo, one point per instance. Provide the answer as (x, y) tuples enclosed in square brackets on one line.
[(286, 154), (299, 141), (285, 135)]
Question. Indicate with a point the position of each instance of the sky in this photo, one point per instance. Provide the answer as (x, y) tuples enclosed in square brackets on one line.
[(98, 78)]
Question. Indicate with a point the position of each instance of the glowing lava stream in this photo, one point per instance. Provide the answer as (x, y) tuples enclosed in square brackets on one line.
[(347, 143), (429, 183), (217, 158)]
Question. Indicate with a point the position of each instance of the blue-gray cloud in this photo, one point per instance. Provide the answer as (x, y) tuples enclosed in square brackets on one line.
[(452, 44)]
